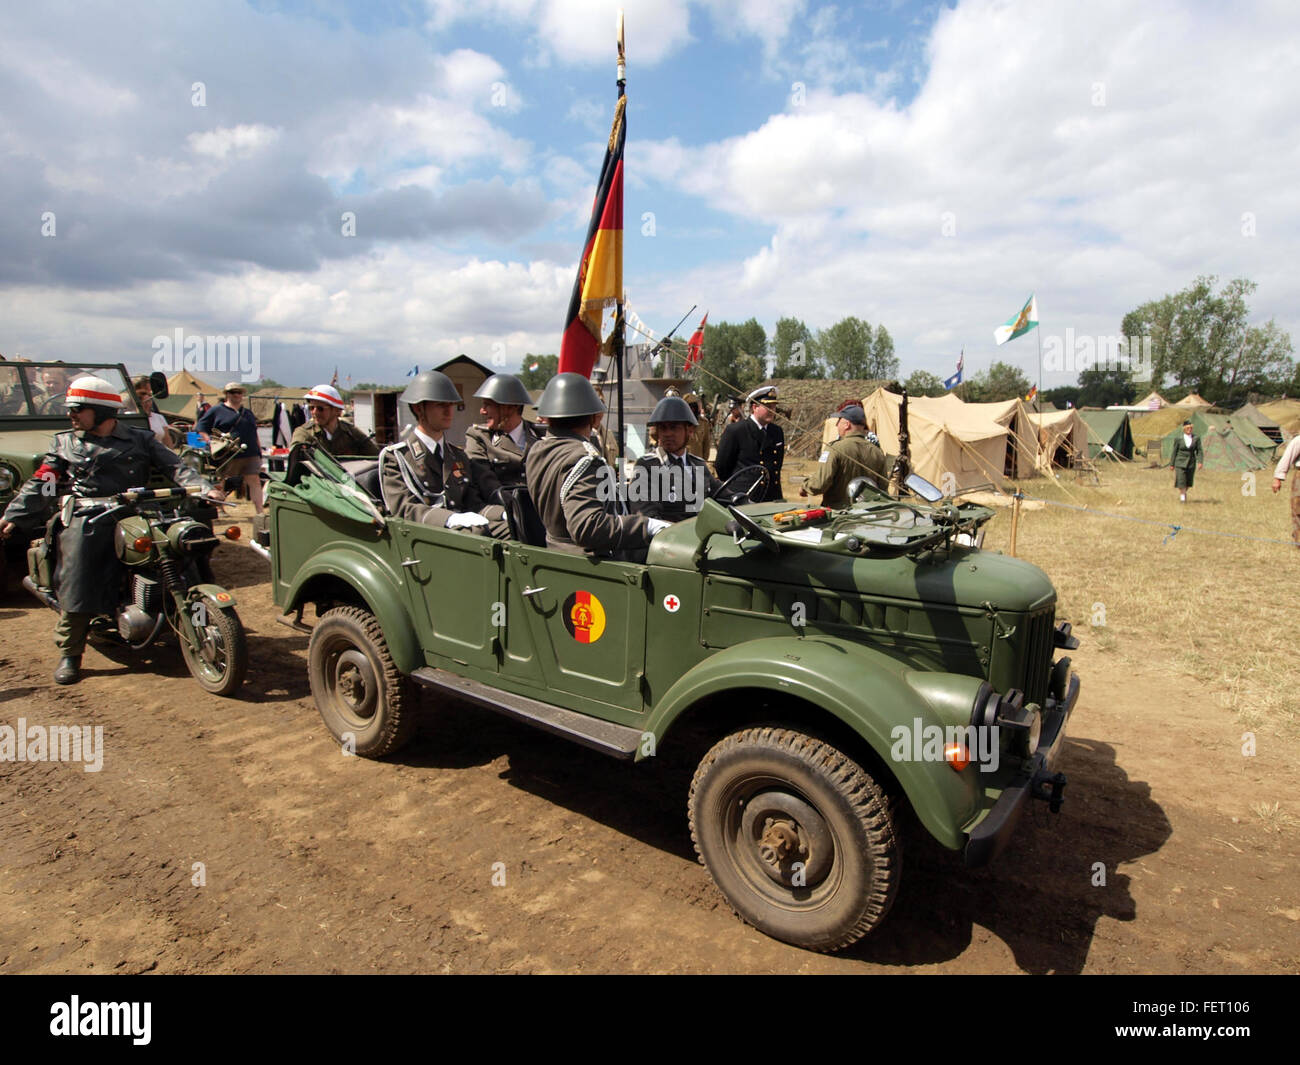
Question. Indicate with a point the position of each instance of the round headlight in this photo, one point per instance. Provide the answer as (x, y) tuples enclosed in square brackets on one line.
[(8, 478)]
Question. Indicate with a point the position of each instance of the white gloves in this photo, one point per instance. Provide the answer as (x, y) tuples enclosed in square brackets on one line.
[(468, 520), (657, 525)]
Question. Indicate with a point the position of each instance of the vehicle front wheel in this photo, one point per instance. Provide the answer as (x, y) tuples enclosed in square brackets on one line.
[(219, 661), (798, 837), (363, 698)]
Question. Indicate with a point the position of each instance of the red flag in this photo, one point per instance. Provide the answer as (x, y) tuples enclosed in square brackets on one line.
[(600, 270), (696, 343)]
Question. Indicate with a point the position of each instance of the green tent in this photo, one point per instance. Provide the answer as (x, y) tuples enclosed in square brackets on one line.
[(1108, 428), (1229, 444), (1266, 425)]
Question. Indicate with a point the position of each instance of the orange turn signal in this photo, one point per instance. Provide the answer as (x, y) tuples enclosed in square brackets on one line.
[(956, 756), (232, 532), (142, 545)]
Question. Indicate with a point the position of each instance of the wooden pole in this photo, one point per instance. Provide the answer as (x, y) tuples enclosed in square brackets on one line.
[(1015, 520)]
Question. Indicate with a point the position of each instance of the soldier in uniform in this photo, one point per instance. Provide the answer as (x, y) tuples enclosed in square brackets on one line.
[(700, 441), (98, 456), (1290, 460), (851, 456), (572, 486), (504, 439), (755, 441), (328, 430), (669, 482), (426, 478), (1187, 454)]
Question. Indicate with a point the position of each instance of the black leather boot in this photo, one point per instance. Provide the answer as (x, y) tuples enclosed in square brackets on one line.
[(69, 671)]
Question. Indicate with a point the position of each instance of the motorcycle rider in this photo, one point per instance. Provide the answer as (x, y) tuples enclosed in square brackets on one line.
[(98, 456)]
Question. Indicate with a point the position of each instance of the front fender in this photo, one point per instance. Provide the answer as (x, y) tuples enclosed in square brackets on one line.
[(375, 584), (869, 692), (221, 596)]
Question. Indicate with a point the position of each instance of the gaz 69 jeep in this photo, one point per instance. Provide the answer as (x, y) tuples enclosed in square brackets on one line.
[(843, 665)]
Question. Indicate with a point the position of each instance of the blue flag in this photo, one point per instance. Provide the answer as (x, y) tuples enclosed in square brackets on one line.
[(414, 371), (956, 379)]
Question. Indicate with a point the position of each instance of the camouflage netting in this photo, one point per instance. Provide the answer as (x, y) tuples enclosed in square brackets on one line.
[(807, 405)]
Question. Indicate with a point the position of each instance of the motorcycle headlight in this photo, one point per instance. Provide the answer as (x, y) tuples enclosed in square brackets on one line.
[(8, 477)]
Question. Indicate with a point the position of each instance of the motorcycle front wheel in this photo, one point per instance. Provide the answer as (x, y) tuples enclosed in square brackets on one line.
[(220, 659)]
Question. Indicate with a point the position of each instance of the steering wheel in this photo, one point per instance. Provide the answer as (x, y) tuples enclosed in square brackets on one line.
[(744, 482), (752, 529)]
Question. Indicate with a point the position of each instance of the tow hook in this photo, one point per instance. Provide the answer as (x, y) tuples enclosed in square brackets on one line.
[(1051, 790)]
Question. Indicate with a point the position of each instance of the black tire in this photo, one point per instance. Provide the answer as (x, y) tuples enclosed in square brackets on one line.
[(767, 800), (358, 689), (221, 662)]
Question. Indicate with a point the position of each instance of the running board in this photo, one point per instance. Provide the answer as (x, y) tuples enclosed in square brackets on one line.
[(620, 741)]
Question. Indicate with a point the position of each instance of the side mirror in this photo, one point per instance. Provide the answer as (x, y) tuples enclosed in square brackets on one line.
[(918, 485), (158, 384)]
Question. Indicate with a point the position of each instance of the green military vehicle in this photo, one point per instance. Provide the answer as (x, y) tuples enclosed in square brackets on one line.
[(31, 412), (837, 666)]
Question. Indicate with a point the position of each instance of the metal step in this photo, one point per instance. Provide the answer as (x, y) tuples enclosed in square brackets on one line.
[(620, 741)]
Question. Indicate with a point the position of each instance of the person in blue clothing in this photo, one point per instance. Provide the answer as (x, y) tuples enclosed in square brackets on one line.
[(231, 417)]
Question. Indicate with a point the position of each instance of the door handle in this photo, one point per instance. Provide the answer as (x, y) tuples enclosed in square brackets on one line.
[(532, 591)]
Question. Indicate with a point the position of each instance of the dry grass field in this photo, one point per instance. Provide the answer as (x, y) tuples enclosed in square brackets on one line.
[(1209, 610)]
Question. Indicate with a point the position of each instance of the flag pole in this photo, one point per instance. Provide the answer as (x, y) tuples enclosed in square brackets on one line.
[(1038, 396), (619, 340)]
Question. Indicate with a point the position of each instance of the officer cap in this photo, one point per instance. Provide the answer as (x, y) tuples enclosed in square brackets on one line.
[(569, 395), (691, 397), (673, 409), (762, 395), (92, 392), (431, 387), (504, 388)]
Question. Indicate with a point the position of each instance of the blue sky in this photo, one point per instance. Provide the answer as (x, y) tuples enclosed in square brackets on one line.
[(922, 165)]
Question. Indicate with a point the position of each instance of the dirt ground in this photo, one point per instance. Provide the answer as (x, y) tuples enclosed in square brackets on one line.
[(1165, 858)]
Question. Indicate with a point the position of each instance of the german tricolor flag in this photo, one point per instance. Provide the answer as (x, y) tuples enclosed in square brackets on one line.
[(600, 271)]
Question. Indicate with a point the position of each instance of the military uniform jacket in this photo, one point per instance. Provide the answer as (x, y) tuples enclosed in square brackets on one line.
[(347, 439), (96, 466), (572, 488), (852, 455), (700, 442), (434, 493), (500, 451), (746, 443), (661, 487), (1185, 458)]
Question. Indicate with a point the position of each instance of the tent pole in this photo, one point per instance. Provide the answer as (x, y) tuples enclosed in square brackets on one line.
[(1015, 521)]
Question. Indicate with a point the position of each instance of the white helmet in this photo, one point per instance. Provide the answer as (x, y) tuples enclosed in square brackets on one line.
[(92, 392), (327, 395)]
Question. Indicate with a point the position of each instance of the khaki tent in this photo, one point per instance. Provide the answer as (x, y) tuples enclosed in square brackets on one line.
[(186, 384), (955, 446), (263, 401), (1062, 436), (1150, 429), (1193, 401), (1152, 401)]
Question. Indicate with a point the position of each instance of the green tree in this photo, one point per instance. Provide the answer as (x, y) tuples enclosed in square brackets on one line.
[(1102, 387), (846, 348), (923, 383), (884, 362), (793, 360), (999, 382), (724, 344), (1065, 396), (547, 365)]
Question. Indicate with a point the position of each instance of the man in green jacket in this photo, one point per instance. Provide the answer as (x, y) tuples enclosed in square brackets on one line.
[(849, 457), (1188, 457)]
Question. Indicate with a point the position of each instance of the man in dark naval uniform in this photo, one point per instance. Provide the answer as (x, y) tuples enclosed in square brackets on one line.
[(98, 456), (571, 485), (328, 430), (504, 438), (755, 441), (670, 482), (426, 478)]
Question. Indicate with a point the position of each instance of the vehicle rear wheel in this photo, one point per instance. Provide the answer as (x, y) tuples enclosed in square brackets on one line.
[(220, 660), (363, 698), (798, 837)]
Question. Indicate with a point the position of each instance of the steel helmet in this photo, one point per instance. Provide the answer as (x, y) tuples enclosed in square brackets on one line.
[(327, 395), (569, 395), (673, 409), (506, 389), (431, 387)]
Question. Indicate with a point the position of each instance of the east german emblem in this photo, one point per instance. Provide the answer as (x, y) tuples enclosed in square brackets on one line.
[(584, 617)]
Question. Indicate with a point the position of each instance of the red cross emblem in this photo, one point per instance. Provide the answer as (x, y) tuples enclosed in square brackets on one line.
[(672, 603)]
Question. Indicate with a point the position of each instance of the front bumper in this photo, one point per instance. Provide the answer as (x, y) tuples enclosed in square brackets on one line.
[(986, 840)]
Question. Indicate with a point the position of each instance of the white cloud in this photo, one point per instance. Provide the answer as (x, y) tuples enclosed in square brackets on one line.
[(240, 141)]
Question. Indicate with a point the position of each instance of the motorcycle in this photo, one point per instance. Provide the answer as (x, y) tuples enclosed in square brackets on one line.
[(164, 582)]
